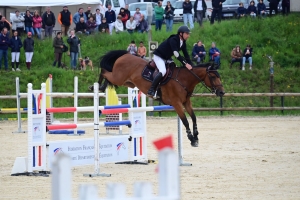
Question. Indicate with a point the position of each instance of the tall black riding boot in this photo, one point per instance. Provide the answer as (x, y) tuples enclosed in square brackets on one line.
[(157, 79)]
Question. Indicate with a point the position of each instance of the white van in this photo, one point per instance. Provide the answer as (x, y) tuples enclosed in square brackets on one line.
[(116, 5)]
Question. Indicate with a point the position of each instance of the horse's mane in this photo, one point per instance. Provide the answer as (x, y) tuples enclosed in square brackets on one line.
[(108, 60)]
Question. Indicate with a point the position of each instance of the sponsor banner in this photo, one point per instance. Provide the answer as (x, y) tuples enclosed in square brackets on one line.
[(37, 127), (138, 123), (111, 149)]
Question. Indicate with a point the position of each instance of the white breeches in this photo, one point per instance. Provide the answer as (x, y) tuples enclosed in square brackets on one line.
[(160, 63), (15, 56), (28, 56)]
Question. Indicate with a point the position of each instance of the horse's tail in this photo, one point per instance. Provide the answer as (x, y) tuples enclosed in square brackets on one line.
[(108, 60)]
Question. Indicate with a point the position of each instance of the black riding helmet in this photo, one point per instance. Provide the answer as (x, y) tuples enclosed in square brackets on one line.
[(183, 29)]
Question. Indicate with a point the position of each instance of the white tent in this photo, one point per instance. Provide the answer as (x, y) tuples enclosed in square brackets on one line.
[(10, 6)]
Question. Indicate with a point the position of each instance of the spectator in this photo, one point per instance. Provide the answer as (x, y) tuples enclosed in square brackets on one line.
[(15, 45), (241, 11), (142, 51), (169, 12), (98, 18), (91, 25), (4, 44), (58, 45), (29, 48), (119, 24), (78, 15), (252, 9), (127, 11), (143, 25), (65, 20), (81, 27), (137, 16), (132, 49), (159, 12), (37, 23), (236, 56), (48, 22), (110, 16), (103, 27), (5, 24), (130, 25), (28, 22), (261, 7), (74, 42), (273, 6), (88, 13), (217, 10), (247, 56), (124, 16), (214, 54), (200, 10), (199, 52), (18, 23), (285, 7), (187, 13)]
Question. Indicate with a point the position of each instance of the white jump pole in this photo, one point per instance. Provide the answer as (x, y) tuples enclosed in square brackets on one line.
[(180, 151), (75, 102), (19, 107)]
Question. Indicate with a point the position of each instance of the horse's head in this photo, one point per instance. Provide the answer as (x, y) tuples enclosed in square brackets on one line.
[(213, 81)]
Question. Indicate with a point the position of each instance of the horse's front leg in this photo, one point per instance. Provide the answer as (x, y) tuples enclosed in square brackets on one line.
[(188, 107), (185, 122)]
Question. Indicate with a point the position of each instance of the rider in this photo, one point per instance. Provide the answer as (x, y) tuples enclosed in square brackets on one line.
[(166, 50)]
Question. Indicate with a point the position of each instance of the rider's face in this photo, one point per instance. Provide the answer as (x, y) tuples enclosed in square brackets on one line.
[(186, 36)]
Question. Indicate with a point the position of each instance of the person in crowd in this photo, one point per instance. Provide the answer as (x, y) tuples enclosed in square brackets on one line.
[(142, 25), (81, 27), (18, 23), (28, 22), (217, 10), (273, 6), (200, 10), (74, 43), (199, 52), (236, 56), (103, 27), (37, 23), (119, 25), (214, 54), (5, 24), (15, 45), (241, 11), (137, 16), (28, 45), (88, 13), (98, 18), (261, 8), (58, 45), (127, 11), (169, 13), (65, 20), (48, 22), (132, 49), (91, 25), (168, 48), (286, 4), (130, 25), (4, 44), (247, 56), (159, 13), (142, 51), (78, 15), (110, 16), (124, 16), (187, 13), (252, 9)]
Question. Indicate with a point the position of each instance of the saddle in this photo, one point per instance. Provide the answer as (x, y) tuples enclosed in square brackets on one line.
[(150, 71)]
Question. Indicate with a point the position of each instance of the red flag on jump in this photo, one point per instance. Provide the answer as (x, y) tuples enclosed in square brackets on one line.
[(164, 142)]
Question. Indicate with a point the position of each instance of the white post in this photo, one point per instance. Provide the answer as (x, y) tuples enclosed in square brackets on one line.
[(19, 107), (180, 149), (51, 98), (61, 178), (120, 117), (30, 127), (75, 102)]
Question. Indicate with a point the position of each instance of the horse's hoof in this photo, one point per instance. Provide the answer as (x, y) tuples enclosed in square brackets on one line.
[(91, 88), (194, 144)]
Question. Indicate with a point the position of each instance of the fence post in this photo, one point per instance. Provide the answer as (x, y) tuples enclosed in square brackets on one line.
[(271, 80), (282, 104), (221, 105)]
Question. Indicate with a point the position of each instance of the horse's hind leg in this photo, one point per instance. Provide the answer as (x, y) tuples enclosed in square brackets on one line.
[(185, 122), (188, 107)]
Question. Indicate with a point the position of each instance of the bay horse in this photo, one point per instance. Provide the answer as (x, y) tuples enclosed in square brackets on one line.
[(119, 68)]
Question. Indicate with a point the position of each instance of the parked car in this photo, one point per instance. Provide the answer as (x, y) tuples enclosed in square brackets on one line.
[(143, 9), (164, 3), (178, 12)]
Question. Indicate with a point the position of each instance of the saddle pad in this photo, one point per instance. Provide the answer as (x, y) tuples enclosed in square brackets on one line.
[(149, 72)]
